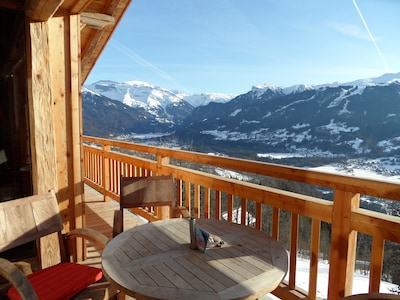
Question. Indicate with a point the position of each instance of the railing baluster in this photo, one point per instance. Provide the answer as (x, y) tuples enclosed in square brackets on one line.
[(218, 205), (206, 202), (179, 199), (314, 258), (196, 200), (230, 207), (243, 216), (294, 233), (106, 172), (376, 264), (188, 198), (259, 216)]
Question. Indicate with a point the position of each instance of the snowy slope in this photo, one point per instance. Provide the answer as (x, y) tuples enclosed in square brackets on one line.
[(137, 93)]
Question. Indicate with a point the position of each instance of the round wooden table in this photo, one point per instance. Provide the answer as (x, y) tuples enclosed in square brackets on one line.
[(154, 261)]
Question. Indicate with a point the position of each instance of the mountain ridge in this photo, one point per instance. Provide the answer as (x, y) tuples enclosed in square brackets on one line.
[(356, 118)]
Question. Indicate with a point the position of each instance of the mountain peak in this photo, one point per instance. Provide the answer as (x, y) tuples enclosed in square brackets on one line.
[(139, 93), (384, 79), (138, 83)]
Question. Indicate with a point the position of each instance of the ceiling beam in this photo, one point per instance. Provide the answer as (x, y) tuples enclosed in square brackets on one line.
[(12, 4), (80, 6), (41, 10), (96, 20)]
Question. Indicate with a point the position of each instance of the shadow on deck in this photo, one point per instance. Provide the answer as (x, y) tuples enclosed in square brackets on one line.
[(99, 216)]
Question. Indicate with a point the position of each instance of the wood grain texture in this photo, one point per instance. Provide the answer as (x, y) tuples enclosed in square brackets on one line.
[(41, 10), (155, 261), (26, 219)]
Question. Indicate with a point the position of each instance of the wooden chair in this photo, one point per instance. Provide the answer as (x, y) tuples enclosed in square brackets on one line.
[(146, 192), (30, 218)]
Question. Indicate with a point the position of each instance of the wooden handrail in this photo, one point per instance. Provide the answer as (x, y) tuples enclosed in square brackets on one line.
[(209, 195)]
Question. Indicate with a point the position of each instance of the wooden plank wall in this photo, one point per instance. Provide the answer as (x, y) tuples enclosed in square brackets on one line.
[(54, 111)]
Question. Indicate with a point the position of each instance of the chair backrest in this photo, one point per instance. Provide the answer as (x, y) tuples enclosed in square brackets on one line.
[(26, 219), (146, 191)]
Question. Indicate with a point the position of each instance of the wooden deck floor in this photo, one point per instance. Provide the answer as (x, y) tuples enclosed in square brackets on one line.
[(100, 214)]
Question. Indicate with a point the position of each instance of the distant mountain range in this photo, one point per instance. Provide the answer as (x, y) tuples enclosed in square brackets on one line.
[(355, 118), (138, 107)]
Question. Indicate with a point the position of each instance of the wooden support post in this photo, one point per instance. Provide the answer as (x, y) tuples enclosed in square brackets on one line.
[(75, 131), (40, 99), (55, 119), (343, 245)]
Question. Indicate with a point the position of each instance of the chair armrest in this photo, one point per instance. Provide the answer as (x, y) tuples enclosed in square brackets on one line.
[(15, 276), (24, 266), (94, 236), (181, 210)]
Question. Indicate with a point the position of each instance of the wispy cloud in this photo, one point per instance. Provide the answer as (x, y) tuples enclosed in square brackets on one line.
[(139, 60), (146, 64), (351, 30), (370, 35)]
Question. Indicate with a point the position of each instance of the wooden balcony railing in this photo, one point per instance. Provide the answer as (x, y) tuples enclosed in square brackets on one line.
[(207, 194)]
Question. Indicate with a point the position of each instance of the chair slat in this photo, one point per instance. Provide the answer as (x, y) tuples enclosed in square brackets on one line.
[(26, 219)]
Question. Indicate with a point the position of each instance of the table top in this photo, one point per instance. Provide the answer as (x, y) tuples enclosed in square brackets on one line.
[(155, 261)]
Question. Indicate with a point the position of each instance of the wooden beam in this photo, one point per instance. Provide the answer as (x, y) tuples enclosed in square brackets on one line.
[(64, 58), (12, 4), (76, 130), (79, 6), (41, 10), (44, 172), (96, 20)]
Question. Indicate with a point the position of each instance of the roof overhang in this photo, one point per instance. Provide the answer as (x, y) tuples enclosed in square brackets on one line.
[(99, 19)]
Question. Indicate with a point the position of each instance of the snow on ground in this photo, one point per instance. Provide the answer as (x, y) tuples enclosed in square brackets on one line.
[(279, 155), (359, 173), (360, 281)]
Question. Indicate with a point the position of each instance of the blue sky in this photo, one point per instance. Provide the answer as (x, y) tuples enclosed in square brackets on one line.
[(228, 46)]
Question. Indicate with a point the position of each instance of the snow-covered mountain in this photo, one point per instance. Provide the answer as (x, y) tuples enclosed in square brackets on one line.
[(142, 94), (385, 79), (355, 118), (161, 108)]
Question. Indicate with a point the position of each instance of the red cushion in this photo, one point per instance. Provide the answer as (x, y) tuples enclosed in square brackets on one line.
[(61, 281)]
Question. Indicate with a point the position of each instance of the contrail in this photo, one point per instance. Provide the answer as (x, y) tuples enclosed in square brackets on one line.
[(370, 35), (138, 59)]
